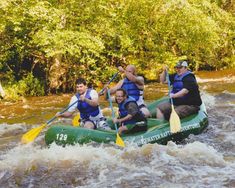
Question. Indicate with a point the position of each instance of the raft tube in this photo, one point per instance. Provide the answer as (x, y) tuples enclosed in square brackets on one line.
[(158, 131)]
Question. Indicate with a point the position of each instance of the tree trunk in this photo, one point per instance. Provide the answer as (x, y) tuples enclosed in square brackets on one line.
[(56, 73), (2, 93)]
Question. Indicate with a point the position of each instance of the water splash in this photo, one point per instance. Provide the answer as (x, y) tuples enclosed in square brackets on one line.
[(6, 129), (89, 166), (208, 99), (227, 79)]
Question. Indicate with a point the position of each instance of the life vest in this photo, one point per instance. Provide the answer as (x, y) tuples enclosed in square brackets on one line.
[(123, 112), (178, 83), (85, 109), (133, 90)]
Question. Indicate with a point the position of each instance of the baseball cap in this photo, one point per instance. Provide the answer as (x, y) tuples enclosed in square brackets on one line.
[(182, 64)]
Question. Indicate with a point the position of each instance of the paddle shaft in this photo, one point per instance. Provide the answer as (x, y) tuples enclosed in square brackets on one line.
[(169, 86), (111, 106), (114, 76), (64, 110)]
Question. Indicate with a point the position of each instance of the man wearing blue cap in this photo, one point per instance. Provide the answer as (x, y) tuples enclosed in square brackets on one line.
[(185, 93)]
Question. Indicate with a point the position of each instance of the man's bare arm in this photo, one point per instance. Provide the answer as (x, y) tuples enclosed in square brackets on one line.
[(116, 87), (139, 80)]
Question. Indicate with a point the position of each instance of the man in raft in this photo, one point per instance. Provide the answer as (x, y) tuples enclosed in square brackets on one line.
[(131, 118), (88, 106), (134, 86), (185, 92)]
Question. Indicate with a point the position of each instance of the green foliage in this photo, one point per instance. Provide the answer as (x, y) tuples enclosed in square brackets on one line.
[(59, 41), (31, 86), (28, 86)]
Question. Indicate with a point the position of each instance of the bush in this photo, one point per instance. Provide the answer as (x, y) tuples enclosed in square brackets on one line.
[(28, 86)]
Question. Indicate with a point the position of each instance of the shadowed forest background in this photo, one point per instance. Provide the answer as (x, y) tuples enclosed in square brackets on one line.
[(47, 44)]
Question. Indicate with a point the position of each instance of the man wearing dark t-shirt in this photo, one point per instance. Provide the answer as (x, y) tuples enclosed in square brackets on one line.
[(185, 93), (131, 118)]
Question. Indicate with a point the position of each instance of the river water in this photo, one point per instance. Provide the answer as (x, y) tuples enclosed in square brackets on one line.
[(205, 160)]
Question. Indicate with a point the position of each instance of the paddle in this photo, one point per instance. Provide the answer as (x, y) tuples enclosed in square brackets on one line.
[(175, 124), (76, 118), (75, 121), (114, 76), (33, 133), (119, 140)]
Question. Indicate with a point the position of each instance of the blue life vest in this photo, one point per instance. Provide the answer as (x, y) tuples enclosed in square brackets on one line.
[(132, 89), (178, 83), (85, 109), (123, 112)]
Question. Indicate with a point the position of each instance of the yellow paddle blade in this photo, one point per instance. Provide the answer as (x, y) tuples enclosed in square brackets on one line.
[(32, 134), (175, 124), (75, 121), (119, 141)]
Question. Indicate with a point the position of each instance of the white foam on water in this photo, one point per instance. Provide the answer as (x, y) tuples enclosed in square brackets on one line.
[(208, 99), (230, 138), (195, 165), (7, 128), (232, 104), (228, 92), (151, 164), (197, 153), (28, 154), (26, 106), (79, 154), (222, 79)]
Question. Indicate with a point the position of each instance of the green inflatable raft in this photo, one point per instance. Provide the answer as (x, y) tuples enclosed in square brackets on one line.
[(158, 131)]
